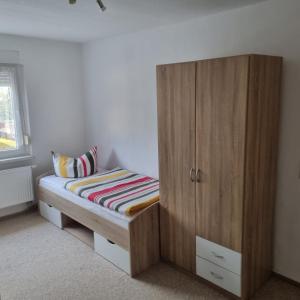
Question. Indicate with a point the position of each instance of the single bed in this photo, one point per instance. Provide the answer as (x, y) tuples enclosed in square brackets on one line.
[(129, 242)]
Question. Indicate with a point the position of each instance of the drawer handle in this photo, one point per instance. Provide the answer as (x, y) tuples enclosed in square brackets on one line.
[(111, 242), (49, 205), (216, 255), (217, 276)]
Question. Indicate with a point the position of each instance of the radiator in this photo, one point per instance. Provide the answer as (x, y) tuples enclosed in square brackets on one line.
[(15, 186)]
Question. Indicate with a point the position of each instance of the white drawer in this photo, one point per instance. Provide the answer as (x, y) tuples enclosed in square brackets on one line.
[(112, 252), (224, 257), (225, 279), (51, 214)]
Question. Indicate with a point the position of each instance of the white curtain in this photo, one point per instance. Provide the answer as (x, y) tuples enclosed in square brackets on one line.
[(11, 77)]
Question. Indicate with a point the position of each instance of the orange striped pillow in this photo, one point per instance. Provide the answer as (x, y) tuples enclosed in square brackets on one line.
[(69, 167)]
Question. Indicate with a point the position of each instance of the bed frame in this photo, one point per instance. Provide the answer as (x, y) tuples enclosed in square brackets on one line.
[(140, 241)]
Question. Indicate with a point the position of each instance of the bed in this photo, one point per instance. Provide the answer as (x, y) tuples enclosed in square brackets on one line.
[(129, 242)]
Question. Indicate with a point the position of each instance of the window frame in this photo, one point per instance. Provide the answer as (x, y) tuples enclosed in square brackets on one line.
[(22, 126)]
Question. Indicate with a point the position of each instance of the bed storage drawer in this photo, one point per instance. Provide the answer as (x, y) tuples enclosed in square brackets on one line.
[(51, 214), (222, 256), (219, 276), (112, 252)]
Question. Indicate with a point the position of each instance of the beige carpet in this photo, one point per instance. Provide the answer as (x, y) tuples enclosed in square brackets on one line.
[(40, 261)]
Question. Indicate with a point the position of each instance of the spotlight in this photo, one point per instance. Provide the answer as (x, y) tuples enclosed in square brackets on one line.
[(101, 5)]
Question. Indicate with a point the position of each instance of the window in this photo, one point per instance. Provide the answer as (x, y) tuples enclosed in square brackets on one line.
[(14, 126)]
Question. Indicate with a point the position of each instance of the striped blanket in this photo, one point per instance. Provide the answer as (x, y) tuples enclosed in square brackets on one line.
[(119, 190)]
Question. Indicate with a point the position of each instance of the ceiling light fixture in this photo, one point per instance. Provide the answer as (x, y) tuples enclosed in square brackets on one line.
[(100, 3)]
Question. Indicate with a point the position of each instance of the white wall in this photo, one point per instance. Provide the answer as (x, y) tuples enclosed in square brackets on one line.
[(53, 75), (120, 97)]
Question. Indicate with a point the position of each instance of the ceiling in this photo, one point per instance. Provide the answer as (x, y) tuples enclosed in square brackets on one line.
[(56, 19)]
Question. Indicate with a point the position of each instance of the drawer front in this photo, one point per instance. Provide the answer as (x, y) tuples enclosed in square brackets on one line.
[(112, 252), (51, 214), (224, 257), (225, 279)]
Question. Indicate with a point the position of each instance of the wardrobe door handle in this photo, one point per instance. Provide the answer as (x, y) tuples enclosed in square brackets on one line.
[(198, 175), (192, 174)]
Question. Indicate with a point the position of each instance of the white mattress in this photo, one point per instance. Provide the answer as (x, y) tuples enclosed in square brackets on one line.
[(56, 185)]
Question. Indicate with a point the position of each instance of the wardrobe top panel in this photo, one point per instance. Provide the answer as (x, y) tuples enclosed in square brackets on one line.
[(216, 58)]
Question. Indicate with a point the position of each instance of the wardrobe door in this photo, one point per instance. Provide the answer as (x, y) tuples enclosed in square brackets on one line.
[(221, 104), (176, 139)]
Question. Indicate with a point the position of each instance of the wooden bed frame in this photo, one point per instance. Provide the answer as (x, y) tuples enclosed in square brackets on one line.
[(140, 240)]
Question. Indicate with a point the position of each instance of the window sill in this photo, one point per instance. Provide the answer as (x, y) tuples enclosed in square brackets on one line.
[(15, 159)]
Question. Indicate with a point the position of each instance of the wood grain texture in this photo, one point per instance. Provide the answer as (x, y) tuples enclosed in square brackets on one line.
[(260, 170), (144, 240), (221, 101), (234, 144), (176, 140), (102, 226)]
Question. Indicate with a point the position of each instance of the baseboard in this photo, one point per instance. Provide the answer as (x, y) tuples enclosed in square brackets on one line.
[(284, 278), (13, 211)]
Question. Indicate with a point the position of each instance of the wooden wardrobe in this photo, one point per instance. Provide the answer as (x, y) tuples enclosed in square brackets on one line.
[(218, 136)]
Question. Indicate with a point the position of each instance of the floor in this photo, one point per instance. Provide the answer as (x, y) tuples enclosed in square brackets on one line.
[(40, 261)]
